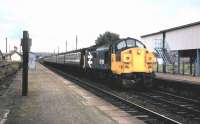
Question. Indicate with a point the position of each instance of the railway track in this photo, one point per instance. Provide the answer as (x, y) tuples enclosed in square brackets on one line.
[(188, 108), (177, 97), (181, 109), (136, 110), (4, 66), (188, 103), (7, 72)]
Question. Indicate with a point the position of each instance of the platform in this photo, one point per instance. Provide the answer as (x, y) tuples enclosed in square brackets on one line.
[(179, 78), (55, 100)]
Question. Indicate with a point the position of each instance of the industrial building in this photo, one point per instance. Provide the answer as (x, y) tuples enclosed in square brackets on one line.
[(179, 48)]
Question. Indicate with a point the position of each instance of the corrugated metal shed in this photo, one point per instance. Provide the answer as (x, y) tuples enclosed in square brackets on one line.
[(178, 38)]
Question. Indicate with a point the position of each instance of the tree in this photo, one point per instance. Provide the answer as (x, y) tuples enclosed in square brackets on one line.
[(107, 37)]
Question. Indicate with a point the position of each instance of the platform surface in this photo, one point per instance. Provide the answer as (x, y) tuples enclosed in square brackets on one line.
[(55, 100), (179, 78)]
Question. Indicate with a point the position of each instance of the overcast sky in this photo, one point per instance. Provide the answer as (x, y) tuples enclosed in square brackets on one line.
[(51, 22)]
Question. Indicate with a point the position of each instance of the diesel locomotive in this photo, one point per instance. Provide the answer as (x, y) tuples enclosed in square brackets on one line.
[(126, 60)]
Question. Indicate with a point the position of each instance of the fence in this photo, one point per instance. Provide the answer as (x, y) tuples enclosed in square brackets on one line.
[(185, 67)]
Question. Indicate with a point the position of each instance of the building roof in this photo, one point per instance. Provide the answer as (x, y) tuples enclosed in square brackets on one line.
[(172, 29), (11, 53)]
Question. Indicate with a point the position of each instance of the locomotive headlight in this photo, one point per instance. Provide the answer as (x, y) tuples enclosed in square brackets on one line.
[(138, 52), (127, 58)]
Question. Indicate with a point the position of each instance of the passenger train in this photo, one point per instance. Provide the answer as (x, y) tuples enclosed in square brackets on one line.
[(126, 60)]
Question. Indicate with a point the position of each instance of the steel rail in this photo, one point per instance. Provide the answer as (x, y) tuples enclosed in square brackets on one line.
[(179, 97), (162, 117), (172, 103)]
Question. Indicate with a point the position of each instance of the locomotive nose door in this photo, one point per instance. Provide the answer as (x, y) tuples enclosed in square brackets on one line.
[(116, 64), (118, 56)]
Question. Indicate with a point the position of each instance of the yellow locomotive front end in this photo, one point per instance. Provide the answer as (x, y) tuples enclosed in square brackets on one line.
[(131, 61), (137, 60)]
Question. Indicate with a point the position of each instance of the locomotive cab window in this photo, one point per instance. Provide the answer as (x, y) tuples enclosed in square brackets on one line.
[(140, 45), (130, 43), (134, 43), (121, 45)]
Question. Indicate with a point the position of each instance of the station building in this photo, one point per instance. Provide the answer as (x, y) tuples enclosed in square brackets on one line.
[(13, 56), (179, 48)]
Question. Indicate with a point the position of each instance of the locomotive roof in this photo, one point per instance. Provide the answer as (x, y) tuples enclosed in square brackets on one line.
[(109, 44), (99, 48), (125, 39)]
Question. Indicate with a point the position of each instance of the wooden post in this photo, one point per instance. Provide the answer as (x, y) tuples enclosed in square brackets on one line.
[(26, 44)]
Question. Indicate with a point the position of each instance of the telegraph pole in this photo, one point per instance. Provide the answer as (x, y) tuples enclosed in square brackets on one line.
[(76, 41), (58, 49), (6, 44)]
